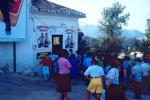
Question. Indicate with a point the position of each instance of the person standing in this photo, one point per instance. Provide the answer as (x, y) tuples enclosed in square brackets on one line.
[(64, 80), (146, 72), (46, 67), (87, 61), (95, 74), (136, 75), (114, 88), (126, 67), (75, 70)]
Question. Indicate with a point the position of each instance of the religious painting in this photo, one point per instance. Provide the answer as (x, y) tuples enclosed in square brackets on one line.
[(69, 43), (43, 40)]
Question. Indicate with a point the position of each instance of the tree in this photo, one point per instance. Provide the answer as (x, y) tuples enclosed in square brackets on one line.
[(111, 27), (145, 45), (82, 47), (137, 44)]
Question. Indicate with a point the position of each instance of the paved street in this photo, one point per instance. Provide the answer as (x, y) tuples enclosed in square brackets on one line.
[(18, 87)]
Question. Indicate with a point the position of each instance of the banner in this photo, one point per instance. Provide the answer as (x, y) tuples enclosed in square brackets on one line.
[(12, 20)]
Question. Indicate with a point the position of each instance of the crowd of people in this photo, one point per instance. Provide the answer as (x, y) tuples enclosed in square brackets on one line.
[(100, 72)]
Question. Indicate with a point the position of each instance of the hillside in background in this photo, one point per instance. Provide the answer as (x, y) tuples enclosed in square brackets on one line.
[(93, 31)]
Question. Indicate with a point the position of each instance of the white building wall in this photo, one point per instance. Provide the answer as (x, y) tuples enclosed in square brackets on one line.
[(26, 51), (6, 52), (60, 24), (17, 34)]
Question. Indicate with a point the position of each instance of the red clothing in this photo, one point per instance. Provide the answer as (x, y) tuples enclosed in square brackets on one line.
[(46, 62)]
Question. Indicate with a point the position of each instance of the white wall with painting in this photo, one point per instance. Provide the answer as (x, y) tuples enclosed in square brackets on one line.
[(29, 46), (18, 32)]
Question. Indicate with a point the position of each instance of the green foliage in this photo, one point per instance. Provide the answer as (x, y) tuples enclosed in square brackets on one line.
[(82, 47), (148, 30), (137, 44), (145, 44), (111, 27)]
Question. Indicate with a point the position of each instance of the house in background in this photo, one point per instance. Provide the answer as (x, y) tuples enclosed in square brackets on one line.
[(37, 27)]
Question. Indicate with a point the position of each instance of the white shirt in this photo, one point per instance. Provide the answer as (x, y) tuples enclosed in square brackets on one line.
[(137, 71), (94, 71), (146, 69), (114, 75)]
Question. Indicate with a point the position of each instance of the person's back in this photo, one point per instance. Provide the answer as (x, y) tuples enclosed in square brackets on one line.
[(46, 62), (146, 72), (126, 71), (113, 74), (64, 65), (46, 67), (137, 71), (146, 69), (95, 74), (75, 70), (95, 71)]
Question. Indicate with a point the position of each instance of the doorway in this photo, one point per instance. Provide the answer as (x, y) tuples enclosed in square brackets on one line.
[(56, 43)]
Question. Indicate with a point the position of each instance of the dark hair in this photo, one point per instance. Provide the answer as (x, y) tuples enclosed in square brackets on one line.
[(138, 60), (63, 53), (73, 55), (94, 61), (146, 58), (127, 58)]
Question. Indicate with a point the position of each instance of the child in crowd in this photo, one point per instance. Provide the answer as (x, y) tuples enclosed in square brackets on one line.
[(46, 67), (96, 74)]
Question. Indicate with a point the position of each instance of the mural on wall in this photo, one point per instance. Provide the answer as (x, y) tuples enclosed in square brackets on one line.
[(69, 42), (43, 40), (44, 33), (9, 12), (13, 16)]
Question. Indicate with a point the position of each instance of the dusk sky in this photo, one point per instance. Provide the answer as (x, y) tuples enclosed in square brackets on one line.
[(139, 11)]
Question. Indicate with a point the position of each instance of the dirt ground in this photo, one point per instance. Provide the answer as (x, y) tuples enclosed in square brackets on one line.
[(19, 87)]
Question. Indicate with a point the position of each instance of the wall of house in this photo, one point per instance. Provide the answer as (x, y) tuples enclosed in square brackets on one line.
[(6, 53), (57, 26), (27, 43), (26, 53), (17, 33)]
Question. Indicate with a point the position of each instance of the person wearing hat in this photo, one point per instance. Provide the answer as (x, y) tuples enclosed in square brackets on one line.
[(136, 74)]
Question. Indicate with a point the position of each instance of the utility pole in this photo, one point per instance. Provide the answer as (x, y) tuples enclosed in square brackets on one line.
[(14, 57)]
